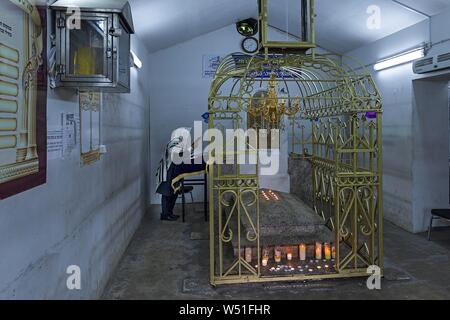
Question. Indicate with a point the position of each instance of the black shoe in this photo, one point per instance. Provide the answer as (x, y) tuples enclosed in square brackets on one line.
[(171, 215), (168, 218)]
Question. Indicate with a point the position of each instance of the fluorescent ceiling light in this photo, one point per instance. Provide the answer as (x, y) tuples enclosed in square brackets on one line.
[(136, 61), (400, 59)]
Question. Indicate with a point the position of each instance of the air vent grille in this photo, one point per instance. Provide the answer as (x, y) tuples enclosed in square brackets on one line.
[(443, 57), (424, 62)]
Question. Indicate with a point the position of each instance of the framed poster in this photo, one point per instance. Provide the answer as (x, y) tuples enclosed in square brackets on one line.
[(23, 96), (90, 107)]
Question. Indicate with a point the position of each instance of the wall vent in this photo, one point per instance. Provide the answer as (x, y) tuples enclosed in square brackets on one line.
[(432, 63), (443, 57)]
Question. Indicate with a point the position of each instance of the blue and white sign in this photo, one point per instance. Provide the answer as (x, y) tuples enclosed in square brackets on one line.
[(210, 65)]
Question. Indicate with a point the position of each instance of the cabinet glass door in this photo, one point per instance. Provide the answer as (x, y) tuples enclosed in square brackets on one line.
[(88, 49)]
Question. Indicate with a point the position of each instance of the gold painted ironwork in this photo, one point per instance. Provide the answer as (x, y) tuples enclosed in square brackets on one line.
[(337, 127), (305, 42), (335, 117)]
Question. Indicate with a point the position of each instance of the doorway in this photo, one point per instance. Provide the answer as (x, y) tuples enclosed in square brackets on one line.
[(431, 148)]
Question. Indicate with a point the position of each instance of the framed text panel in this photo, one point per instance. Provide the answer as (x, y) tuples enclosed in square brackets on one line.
[(90, 111), (23, 96)]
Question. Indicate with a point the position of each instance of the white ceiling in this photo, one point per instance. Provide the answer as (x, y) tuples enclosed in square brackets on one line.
[(162, 23), (340, 24)]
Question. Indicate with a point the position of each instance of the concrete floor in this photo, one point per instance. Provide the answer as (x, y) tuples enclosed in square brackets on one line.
[(163, 262)]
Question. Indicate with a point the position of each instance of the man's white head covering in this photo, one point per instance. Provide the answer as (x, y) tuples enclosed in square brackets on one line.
[(180, 145), (182, 137)]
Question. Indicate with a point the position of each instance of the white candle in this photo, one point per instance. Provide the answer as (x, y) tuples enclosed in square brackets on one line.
[(327, 251), (248, 255), (302, 252), (318, 251), (265, 257), (289, 256)]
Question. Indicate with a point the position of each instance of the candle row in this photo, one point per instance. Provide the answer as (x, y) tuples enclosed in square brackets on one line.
[(319, 251), (270, 195)]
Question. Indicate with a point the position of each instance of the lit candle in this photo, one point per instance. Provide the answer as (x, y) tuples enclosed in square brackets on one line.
[(327, 251), (302, 251), (248, 254), (318, 251), (277, 254), (265, 257), (289, 254)]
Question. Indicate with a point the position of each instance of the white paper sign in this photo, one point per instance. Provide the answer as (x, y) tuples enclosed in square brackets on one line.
[(71, 125), (62, 139), (54, 142)]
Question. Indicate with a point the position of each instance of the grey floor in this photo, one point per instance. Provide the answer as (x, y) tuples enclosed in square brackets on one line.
[(164, 261)]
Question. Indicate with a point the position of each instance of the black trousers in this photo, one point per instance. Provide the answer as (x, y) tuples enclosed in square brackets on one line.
[(168, 197), (167, 204)]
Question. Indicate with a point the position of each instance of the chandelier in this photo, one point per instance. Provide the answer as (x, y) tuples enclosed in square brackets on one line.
[(271, 108)]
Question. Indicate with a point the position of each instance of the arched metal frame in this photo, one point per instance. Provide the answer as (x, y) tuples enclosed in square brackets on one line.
[(338, 128)]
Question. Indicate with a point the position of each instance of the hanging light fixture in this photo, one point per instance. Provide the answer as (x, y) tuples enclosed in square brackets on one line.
[(400, 59), (272, 109)]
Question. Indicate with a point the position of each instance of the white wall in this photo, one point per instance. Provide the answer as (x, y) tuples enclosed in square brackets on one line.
[(82, 216), (400, 131)]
